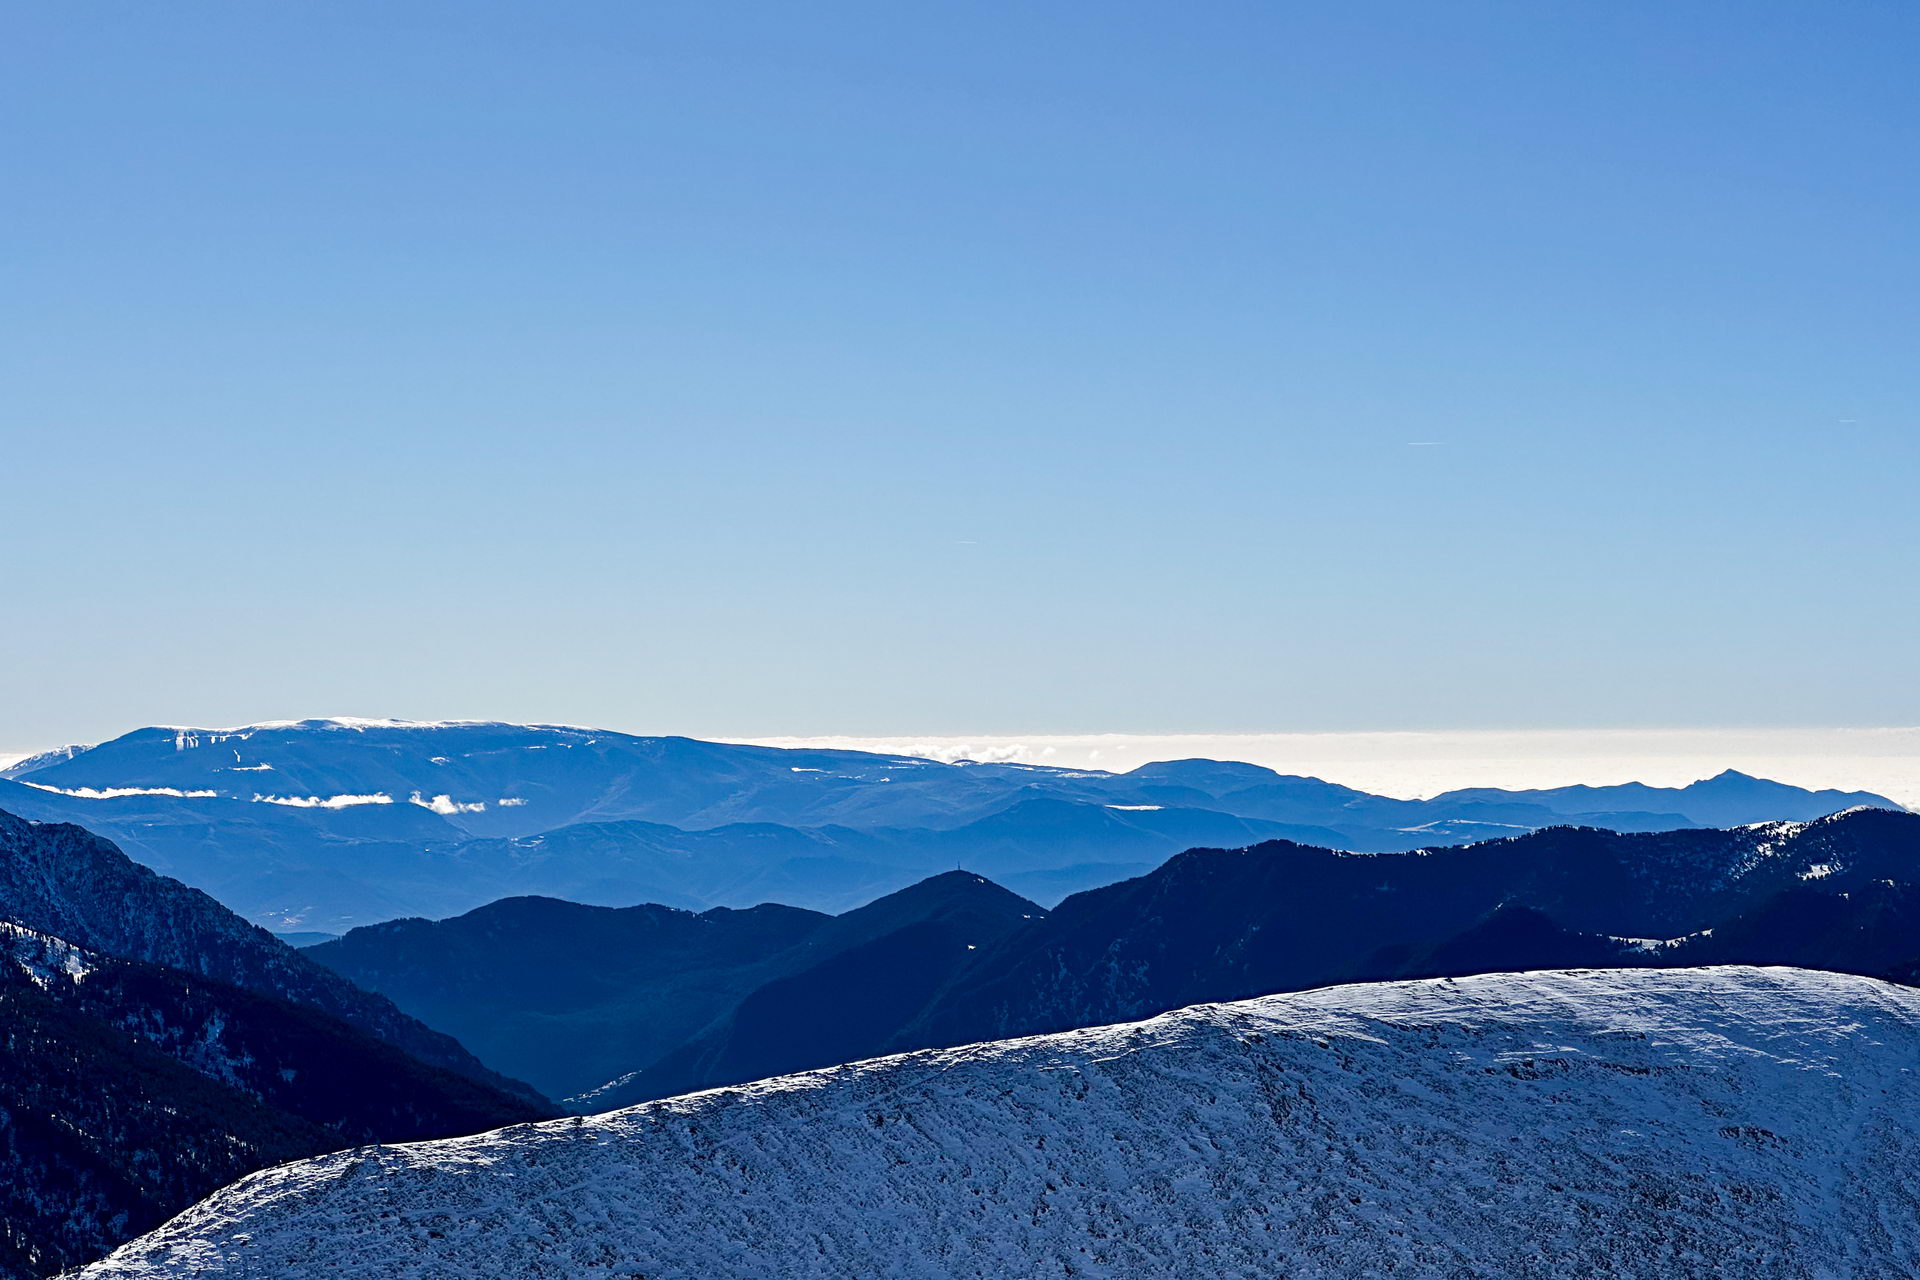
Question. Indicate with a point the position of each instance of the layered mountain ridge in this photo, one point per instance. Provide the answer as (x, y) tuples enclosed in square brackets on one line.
[(321, 825), (161, 1045), (1841, 893), (569, 996)]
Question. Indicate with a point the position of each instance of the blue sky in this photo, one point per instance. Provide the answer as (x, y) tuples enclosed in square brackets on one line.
[(870, 369)]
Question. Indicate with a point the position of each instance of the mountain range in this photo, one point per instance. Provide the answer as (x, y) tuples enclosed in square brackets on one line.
[(1703, 1122), (157, 1047), (160, 1047), (557, 992), (322, 825)]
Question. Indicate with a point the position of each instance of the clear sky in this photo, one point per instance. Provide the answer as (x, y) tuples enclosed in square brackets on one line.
[(792, 369)]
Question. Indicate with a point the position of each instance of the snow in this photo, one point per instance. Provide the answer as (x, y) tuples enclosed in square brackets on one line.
[(44, 958), (40, 759), (182, 733), (1680, 1123)]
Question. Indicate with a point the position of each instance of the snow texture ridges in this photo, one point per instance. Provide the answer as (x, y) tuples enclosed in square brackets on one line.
[(1706, 1122)]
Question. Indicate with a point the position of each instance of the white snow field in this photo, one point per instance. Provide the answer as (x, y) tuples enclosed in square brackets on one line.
[(1726, 1122)]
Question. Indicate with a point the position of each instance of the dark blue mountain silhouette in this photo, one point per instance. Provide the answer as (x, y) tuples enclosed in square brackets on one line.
[(1842, 892)]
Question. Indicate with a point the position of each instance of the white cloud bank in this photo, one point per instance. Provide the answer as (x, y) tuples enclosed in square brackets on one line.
[(115, 793), (1418, 764), (446, 805), (324, 802)]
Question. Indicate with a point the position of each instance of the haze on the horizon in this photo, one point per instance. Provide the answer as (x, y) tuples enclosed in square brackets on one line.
[(753, 369), (1421, 765)]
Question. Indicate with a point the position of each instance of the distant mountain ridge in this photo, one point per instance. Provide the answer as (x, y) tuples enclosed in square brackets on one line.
[(326, 824), (1729, 798)]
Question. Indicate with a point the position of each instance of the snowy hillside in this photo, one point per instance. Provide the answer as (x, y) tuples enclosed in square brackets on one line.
[(1710, 1122)]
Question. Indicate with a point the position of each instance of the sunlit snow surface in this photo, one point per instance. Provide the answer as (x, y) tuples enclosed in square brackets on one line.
[(44, 958), (1713, 1122)]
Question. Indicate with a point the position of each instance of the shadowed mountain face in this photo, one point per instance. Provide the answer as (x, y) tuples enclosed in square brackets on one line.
[(321, 825), (71, 884), (157, 1047), (863, 976), (569, 996), (128, 1091), (1218, 925), (1222, 925)]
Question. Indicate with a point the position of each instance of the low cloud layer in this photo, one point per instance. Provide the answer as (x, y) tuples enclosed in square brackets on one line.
[(446, 805), (1425, 763), (115, 793), (324, 802)]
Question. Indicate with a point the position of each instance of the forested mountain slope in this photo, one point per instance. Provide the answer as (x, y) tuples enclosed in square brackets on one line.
[(128, 1091), (65, 881)]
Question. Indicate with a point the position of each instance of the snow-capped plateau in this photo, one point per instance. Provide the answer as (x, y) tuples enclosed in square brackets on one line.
[(1705, 1122)]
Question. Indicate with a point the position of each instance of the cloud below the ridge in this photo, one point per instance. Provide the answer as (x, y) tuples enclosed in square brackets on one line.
[(1424, 763), (446, 806), (324, 802)]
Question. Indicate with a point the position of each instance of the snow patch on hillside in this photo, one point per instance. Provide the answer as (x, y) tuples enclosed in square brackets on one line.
[(44, 958)]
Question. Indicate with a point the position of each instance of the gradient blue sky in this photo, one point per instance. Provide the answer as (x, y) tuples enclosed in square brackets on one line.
[(942, 368)]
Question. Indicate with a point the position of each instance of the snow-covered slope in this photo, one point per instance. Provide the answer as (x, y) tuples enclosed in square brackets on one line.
[(1709, 1122)]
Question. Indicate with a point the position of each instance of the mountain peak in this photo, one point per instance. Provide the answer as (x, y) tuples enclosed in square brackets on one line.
[(950, 888), (1195, 768)]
